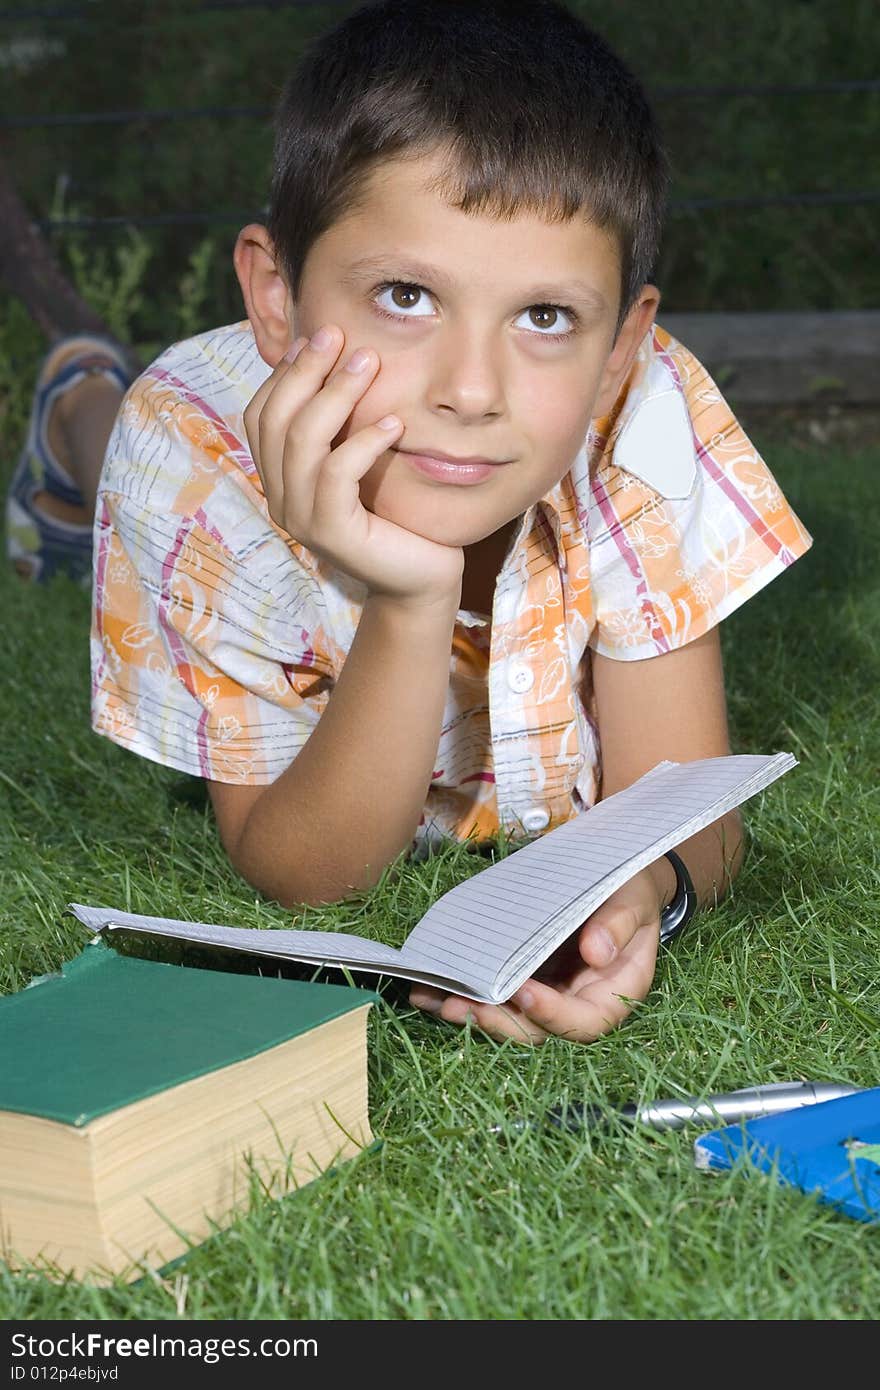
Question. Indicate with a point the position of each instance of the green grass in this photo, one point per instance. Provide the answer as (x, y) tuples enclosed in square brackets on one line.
[(445, 1220)]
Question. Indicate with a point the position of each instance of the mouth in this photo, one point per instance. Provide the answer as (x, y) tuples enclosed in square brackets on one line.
[(448, 468), (450, 458)]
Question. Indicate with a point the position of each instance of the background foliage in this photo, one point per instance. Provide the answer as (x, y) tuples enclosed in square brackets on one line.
[(160, 283)]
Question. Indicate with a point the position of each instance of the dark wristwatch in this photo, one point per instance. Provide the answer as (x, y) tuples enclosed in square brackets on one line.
[(683, 906)]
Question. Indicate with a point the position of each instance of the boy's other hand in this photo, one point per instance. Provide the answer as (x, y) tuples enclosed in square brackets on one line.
[(312, 489), (586, 987)]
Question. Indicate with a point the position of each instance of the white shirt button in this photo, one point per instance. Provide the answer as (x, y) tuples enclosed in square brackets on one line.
[(520, 677), (536, 819)]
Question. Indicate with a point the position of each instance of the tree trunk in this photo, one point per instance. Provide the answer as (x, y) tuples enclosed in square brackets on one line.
[(30, 271)]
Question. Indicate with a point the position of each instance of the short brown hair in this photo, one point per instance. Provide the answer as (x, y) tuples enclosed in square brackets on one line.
[(536, 111)]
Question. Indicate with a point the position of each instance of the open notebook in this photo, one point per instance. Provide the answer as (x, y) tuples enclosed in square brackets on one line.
[(488, 934)]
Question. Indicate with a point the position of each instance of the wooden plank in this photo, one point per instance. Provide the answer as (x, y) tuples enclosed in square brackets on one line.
[(783, 359)]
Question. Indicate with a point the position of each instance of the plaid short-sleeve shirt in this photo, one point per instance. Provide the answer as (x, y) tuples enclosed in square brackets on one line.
[(217, 640)]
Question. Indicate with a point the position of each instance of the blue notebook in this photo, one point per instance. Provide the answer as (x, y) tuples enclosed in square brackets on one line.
[(832, 1149)]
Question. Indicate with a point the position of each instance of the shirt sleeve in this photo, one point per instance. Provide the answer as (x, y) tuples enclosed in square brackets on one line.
[(209, 649), (686, 521)]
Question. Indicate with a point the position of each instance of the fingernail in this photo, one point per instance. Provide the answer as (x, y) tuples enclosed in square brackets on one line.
[(524, 998), (295, 349), (358, 361), (321, 340), (388, 422), (602, 947)]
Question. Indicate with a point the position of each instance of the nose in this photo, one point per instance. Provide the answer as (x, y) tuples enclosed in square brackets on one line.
[(467, 375)]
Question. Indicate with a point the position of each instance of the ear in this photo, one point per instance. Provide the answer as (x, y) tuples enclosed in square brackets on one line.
[(633, 329), (265, 292)]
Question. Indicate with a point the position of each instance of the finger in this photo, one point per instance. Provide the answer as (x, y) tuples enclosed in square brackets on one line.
[(603, 1001), (500, 1021), (427, 998), (258, 400), (294, 350), (319, 480), (629, 974), (296, 381), (338, 515), (609, 930), (572, 1016)]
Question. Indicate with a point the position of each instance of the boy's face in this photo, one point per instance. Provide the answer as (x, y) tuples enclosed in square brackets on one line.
[(467, 360)]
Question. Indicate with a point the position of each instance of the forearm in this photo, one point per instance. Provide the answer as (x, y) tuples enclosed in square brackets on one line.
[(713, 858), (351, 800)]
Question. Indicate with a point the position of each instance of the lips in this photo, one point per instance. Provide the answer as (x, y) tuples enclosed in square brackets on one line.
[(450, 458), (456, 471)]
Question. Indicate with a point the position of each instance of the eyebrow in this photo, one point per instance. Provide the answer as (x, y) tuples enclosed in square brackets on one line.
[(391, 266)]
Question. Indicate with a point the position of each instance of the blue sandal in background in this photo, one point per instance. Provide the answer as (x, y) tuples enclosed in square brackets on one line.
[(38, 545)]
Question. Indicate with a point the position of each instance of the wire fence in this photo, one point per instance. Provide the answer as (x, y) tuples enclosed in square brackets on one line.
[(174, 115), (125, 117), (74, 12), (171, 219)]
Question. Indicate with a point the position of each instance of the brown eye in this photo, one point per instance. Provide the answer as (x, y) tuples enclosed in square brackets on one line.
[(544, 317), (405, 296), (401, 297)]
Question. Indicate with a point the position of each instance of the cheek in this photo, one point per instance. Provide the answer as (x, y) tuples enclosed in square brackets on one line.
[(386, 395), (556, 414)]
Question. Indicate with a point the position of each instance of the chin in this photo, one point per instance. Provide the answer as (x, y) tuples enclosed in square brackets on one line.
[(439, 534), (443, 530)]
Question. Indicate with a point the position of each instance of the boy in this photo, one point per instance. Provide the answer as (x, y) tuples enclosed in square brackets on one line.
[(439, 539)]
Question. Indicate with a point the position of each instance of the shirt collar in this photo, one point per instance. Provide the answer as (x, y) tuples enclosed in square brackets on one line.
[(565, 506)]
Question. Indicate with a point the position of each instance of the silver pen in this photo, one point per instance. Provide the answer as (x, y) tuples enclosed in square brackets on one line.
[(728, 1108)]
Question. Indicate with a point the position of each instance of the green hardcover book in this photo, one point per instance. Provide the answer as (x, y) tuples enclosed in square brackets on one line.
[(137, 1099)]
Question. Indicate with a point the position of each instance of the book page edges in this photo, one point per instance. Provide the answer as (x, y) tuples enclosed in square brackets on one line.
[(418, 965), (387, 966), (156, 1176), (332, 948), (533, 952), (500, 977), (251, 943)]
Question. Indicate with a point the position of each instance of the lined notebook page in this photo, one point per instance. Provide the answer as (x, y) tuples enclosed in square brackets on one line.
[(314, 947), (311, 947), (494, 929), (488, 934)]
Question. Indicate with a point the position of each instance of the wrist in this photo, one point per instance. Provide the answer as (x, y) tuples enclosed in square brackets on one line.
[(443, 606), (665, 882)]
